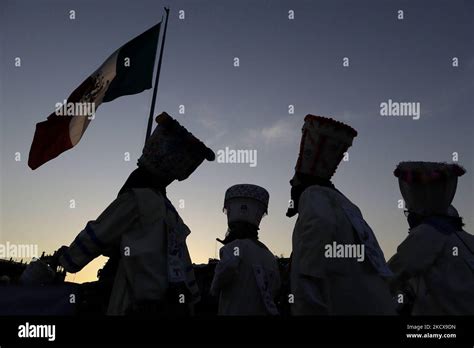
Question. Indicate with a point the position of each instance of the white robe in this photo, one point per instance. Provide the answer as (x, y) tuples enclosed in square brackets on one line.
[(246, 279), (442, 282), (153, 250), (334, 286)]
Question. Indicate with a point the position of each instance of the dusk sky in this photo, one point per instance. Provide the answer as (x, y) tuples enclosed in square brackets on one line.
[(282, 62)]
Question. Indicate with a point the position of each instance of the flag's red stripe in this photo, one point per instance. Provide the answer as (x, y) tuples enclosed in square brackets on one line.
[(50, 140), (52, 136)]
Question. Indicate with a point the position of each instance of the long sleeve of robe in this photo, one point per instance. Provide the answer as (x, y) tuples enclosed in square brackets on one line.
[(102, 233), (153, 253), (226, 270)]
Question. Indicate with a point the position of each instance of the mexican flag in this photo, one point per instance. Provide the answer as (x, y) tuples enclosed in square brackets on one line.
[(129, 70)]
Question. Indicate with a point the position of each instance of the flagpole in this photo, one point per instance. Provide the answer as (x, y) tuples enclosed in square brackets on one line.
[(157, 78)]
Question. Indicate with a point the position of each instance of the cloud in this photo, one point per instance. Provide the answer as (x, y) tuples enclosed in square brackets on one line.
[(282, 131), (215, 139), (208, 118)]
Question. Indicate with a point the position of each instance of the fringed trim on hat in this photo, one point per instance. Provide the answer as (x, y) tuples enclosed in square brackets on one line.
[(331, 122), (165, 120), (427, 171)]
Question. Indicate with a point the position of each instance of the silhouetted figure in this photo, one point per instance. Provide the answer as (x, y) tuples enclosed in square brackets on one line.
[(337, 266), (142, 231), (247, 277), (434, 265)]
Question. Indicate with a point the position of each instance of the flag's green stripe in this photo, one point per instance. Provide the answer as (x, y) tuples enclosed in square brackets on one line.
[(138, 76)]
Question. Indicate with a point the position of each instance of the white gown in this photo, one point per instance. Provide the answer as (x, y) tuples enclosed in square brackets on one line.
[(153, 252), (335, 286), (440, 268), (246, 279)]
